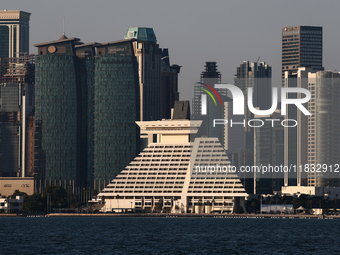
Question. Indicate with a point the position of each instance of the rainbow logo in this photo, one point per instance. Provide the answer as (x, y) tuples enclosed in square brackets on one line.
[(204, 97), (209, 93)]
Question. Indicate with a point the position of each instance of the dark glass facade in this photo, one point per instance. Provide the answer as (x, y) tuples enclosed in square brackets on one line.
[(86, 108), (57, 115), (301, 47), (4, 41), (10, 129), (269, 151), (115, 111)]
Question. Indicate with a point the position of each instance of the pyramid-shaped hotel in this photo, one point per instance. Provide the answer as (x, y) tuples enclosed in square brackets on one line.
[(170, 174)]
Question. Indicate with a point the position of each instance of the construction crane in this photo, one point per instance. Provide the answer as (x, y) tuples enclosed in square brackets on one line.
[(258, 59)]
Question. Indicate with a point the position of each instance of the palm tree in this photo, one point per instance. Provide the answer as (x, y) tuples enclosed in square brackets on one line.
[(276, 200), (310, 204), (253, 205), (285, 202), (320, 203), (213, 202), (267, 202), (200, 205)]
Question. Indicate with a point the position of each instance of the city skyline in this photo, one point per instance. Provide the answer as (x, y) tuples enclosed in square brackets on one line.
[(226, 38), (133, 33), (100, 153)]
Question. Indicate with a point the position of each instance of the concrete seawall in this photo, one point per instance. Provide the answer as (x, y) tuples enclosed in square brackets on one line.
[(190, 215)]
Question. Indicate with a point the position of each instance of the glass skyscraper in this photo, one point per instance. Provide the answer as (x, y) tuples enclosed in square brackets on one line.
[(58, 113), (86, 108), (16, 104), (301, 47), (116, 108)]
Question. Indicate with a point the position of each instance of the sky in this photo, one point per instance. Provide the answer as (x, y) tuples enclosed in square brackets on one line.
[(194, 31)]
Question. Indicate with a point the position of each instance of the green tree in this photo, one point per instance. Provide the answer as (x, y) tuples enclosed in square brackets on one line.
[(297, 202), (18, 193), (58, 196), (310, 204), (159, 205), (239, 209), (34, 204)]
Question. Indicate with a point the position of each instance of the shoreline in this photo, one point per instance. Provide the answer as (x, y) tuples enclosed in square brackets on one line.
[(180, 215)]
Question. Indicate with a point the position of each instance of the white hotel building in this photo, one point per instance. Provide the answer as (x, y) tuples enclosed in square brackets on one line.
[(162, 177)]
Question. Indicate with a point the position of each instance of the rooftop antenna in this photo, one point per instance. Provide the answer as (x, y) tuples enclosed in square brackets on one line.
[(63, 25)]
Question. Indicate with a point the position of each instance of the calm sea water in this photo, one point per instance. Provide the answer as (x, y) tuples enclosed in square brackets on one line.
[(168, 236)]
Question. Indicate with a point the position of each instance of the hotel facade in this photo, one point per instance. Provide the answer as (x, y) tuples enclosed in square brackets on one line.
[(169, 175)]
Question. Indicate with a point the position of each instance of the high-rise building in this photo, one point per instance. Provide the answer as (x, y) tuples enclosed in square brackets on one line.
[(86, 58), (16, 106), (258, 77), (148, 56), (301, 47), (16, 79), (116, 108), (169, 81), (324, 128), (86, 108), (14, 33), (295, 144), (269, 151), (10, 133), (58, 114), (209, 77), (314, 140)]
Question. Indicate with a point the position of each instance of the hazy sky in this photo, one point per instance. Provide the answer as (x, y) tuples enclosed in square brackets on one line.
[(194, 31)]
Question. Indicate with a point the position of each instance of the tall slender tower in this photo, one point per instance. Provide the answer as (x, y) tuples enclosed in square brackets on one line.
[(258, 77), (169, 80), (323, 128), (14, 33), (148, 56), (210, 76)]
